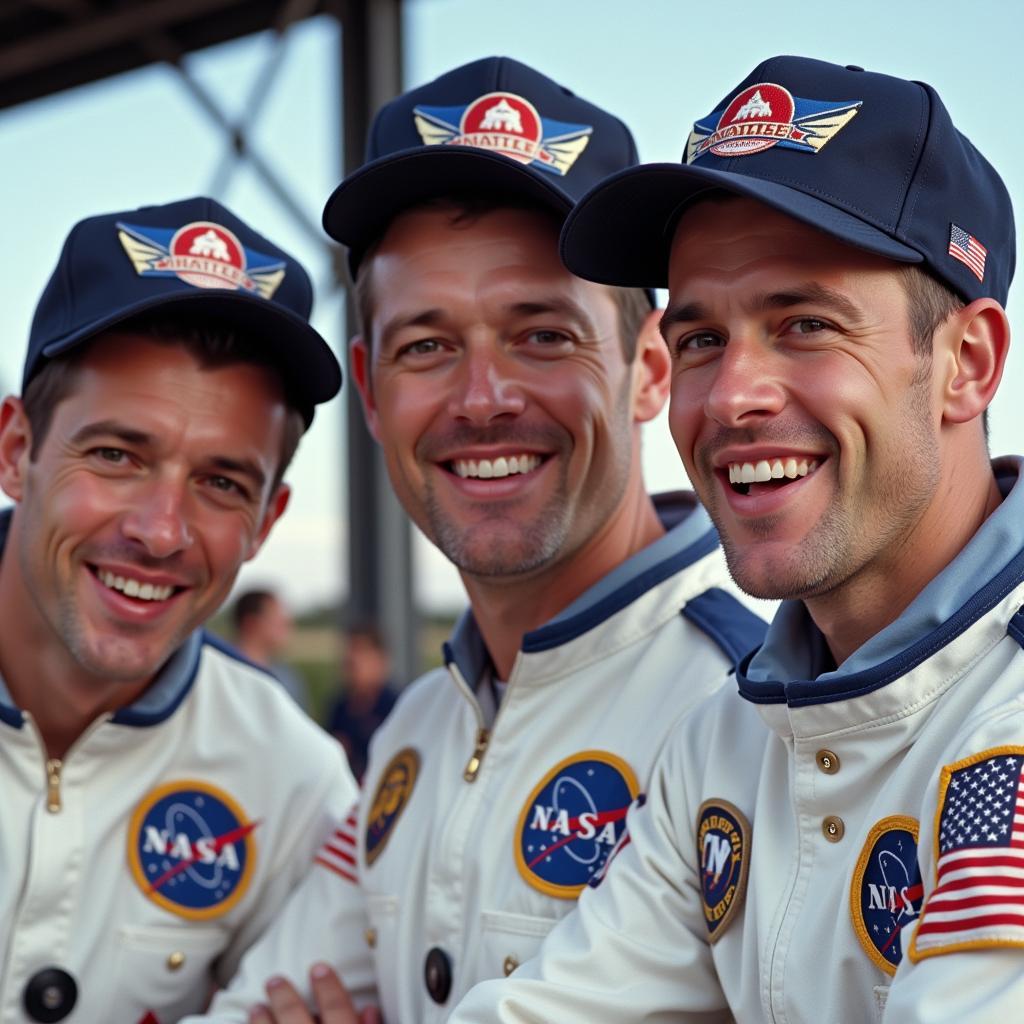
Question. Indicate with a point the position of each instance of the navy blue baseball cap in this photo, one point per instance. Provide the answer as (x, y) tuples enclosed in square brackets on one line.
[(494, 126), (195, 258), (872, 160)]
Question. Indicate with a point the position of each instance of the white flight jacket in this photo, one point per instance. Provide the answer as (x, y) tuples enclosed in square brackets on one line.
[(837, 850), (476, 832), (135, 874)]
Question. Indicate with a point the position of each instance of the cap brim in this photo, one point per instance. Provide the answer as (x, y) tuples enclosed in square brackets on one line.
[(361, 207), (621, 231), (305, 359)]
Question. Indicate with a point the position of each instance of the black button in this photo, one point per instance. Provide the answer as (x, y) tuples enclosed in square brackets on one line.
[(50, 995), (853, 67), (437, 973)]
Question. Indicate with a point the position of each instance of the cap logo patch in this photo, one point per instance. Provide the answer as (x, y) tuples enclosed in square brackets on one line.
[(572, 821), (766, 115), (502, 122), (202, 254), (964, 247), (191, 849), (390, 799), (723, 852), (886, 890)]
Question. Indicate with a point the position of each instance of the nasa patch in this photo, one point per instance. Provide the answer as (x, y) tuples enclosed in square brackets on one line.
[(393, 793), (723, 851), (572, 821), (202, 254), (505, 123), (766, 115), (191, 850), (886, 891)]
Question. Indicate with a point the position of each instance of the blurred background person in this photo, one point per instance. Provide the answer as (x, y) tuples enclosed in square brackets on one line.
[(263, 631), (367, 696)]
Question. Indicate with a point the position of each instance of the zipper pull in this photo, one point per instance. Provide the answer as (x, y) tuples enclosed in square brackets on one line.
[(473, 766), (53, 767)]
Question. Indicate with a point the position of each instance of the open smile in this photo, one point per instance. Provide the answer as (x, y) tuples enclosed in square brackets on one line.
[(502, 466), (140, 590), (775, 473)]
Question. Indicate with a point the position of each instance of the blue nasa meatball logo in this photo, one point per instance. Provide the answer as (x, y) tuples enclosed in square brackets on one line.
[(886, 893), (191, 850), (723, 851), (572, 820)]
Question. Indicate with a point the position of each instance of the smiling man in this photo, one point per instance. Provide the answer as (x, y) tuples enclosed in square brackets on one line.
[(161, 796), (508, 397), (844, 839)]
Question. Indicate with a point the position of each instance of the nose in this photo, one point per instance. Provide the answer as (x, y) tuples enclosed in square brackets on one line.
[(746, 386), (487, 387), (158, 520)]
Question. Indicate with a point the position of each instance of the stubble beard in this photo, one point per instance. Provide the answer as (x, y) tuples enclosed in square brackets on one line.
[(840, 545)]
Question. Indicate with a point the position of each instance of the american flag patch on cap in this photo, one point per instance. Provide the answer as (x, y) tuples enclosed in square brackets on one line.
[(964, 247), (339, 852), (978, 899)]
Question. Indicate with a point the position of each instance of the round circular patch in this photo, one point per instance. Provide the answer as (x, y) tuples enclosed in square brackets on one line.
[(757, 118), (392, 795), (190, 849), (572, 820), (886, 891), (723, 851), (505, 123), (207, 255)]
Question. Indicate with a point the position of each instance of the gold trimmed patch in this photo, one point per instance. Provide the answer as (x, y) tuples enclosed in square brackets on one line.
[(390, 799)]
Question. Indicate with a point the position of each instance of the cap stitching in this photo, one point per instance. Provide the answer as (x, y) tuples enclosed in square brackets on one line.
[(921, 165)]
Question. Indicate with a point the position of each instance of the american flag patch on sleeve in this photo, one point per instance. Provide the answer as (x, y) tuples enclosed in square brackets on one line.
[(964, 247), (338, 854), (978, 899)]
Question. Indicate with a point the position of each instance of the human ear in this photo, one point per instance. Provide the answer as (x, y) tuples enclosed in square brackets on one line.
[(275, 509), (652, 370), (976, 340), (359, 360), (15, 447)]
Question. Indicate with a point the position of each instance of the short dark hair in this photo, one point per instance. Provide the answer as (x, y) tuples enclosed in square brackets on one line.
[(249, 605), (633, 304), (930, 303), (211, 344)]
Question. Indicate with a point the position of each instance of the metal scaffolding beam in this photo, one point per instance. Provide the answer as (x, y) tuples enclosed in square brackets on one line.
[(380, 537)]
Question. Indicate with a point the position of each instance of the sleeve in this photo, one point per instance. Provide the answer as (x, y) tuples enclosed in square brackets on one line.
[(635, 948), (310, 911), (965, 964)]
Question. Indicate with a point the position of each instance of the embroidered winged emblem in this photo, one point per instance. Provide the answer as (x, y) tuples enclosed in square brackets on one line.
[(505, 123), (201, 254)]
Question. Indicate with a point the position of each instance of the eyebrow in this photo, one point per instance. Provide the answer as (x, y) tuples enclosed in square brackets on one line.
[(560, 306), (104, 430), (811, 293), (425, 318)]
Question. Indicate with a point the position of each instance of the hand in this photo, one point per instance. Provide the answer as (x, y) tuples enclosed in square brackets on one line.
[(333, 1004)]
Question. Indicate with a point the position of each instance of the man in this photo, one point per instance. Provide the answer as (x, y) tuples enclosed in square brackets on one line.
[(508, 398), (161, 797), (368, 695), (841, 842), (263, 630)]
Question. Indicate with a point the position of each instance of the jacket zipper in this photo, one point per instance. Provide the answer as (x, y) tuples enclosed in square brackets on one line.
[(483, 737), (53, 770)]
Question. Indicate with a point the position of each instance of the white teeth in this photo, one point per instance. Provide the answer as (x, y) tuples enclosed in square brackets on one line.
[(133, 588), (487, 469), (774, 469)]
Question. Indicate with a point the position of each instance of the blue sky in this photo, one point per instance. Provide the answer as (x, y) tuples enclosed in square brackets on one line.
[(658, 64)]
